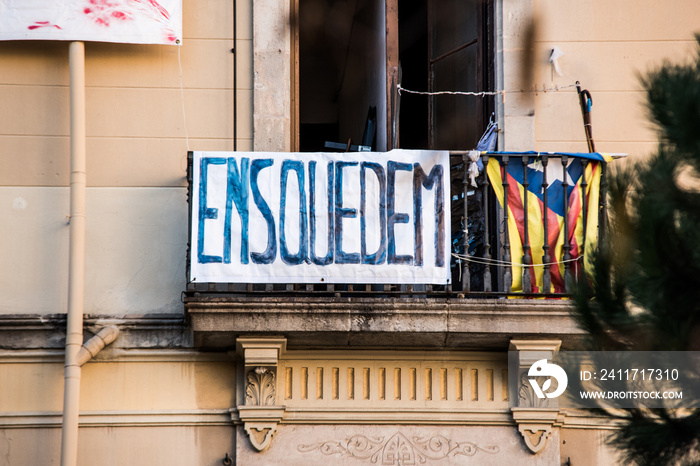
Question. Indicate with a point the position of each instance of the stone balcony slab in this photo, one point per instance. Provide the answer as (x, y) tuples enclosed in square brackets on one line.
[(325, 322)]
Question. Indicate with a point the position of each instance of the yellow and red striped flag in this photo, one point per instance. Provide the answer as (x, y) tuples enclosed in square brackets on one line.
[(579, 167)]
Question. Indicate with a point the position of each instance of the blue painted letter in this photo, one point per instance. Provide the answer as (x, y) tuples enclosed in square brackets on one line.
[(342, 257), (420, 180), (204, 211), (394, 217), (300, 256), (379, 256), (328, 258), (237, 193), (268, 256)]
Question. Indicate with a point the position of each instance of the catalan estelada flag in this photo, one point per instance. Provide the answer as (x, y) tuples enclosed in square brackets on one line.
[(578, 167)]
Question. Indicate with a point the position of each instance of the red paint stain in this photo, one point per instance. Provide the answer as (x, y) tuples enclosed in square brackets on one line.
[(160, 9), (42, 24), (106, 12), (102, 12)]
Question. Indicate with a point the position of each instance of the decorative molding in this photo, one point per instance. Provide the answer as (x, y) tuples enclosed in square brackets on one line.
[(260, 435), (535, 435), (260, 390), (260, 415), (398, 385), (575, 419), (113, 355), (33, 419), (397, 449), (44, 419), (42, 332), (526, 395), (261, 351), (535, 345), (260, 423), (535, 425), (162, 355), (32, 356), (262, 302), (292, 356), (534, 417), (398, 416)]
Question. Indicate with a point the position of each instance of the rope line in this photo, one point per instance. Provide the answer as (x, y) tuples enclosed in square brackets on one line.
[(503, 93), (499, 263)]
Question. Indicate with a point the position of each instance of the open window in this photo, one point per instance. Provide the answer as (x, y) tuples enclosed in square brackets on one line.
[(342, 71), (352, 53)]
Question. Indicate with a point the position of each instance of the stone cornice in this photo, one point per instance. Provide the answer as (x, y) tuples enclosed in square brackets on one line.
[(47, 331), (155, 355)]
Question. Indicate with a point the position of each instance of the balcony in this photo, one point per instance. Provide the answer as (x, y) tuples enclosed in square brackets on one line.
[(496, 254)]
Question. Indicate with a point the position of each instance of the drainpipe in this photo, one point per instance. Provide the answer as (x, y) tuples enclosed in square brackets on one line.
[(77, 354), (76, 260)]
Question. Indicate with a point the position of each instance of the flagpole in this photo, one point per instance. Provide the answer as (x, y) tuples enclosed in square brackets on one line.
[(76, 266)]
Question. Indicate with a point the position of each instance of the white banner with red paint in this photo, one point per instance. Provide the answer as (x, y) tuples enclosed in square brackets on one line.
[(125, 21)]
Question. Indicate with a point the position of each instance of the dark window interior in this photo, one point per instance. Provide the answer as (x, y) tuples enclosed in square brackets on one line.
[(413, 53), (444, 45), (341, 71)]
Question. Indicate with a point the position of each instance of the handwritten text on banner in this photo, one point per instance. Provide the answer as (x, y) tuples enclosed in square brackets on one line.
[(262, 217)]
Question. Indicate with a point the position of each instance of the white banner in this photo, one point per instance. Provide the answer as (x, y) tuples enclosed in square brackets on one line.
[(129, 21), (261, 217)]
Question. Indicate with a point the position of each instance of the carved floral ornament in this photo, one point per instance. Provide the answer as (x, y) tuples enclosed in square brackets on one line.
[(526, 395), (397, 449), (260, 390)]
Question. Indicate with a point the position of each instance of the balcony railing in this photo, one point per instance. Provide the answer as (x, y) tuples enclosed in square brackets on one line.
[(523, 224)]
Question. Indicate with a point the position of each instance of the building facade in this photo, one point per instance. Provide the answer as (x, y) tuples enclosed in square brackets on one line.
[(286, 374)]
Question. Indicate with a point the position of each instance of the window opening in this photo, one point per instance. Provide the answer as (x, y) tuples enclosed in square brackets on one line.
[(443, 45), (342, 72)]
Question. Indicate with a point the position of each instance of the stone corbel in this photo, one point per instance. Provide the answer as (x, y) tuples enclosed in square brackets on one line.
[(535, 425), (260, 413), (260, 423), (535, 417)]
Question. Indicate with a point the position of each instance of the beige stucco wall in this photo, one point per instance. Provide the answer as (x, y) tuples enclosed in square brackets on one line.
[(137, 127), (119, 446), (146, 106), (137, 407), (607, 46), (135, 249), (596, 452), (153, 381)]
